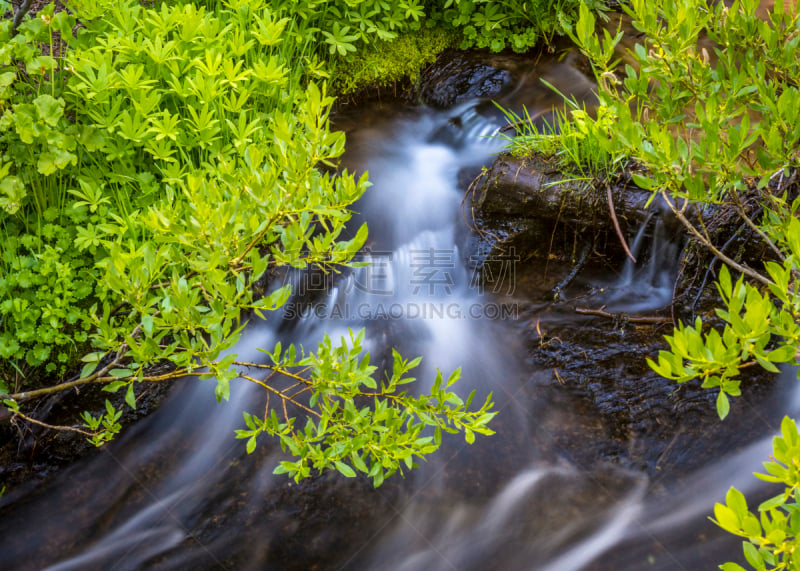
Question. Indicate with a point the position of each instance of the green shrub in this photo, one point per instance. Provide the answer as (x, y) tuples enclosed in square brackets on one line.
[(149, 179), (709, 125)]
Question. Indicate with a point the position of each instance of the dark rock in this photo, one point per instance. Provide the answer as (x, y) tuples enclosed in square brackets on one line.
[(461, 76), (529, 204)]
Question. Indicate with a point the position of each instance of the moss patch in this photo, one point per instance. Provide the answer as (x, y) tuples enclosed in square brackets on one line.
[(383, 63)]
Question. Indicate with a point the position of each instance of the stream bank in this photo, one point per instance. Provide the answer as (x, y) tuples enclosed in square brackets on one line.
[(585, 428)]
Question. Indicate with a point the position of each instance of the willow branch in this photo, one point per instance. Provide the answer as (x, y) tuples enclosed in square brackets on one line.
[(284, 397), (51, 426), (707, 243), (276, 369), (756, 229), (631, 319)]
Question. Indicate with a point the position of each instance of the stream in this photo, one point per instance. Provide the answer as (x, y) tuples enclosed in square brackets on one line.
[(177, 491)]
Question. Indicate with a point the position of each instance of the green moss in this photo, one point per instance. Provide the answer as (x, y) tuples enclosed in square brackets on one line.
[(383, 63)]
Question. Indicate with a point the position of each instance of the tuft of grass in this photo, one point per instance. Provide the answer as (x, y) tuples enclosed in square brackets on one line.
[(574, 135)]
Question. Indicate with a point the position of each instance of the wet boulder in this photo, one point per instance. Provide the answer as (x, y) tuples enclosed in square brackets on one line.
[(457, 77), (530, 204)]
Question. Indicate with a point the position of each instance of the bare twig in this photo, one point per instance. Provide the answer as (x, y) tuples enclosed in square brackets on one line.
[(284, 397), (740, 207), (707, 243), (631, 319), (51, 426), (558, 291), (616, 225)]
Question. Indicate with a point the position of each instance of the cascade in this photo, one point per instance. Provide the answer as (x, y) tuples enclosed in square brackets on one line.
[(177, 491)]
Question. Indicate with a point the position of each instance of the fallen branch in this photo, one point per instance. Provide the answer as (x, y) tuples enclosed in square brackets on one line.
[(617, 316)]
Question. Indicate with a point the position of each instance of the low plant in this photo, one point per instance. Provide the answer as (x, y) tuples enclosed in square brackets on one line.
[(773, 535), (717, 124), (154, 175), (570, 135)]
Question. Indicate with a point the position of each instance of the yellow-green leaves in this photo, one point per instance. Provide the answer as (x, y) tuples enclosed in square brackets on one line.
[(771, 537), (355, 424)]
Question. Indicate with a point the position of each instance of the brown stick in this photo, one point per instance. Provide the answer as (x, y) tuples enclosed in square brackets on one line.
[(616, 225), (50, 426), (707, 243), (632, 319), (19, 15)]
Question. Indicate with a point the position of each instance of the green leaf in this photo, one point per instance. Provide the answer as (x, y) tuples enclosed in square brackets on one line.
[(88, 369), (469, 436), (723, 406), (726, 518), (737, 502), (120, 373), (643, 182), (130, 397), (114, 386), (345, 469), (782, 354), (147, 325), (49, 109), (753, 556), (772, 503)]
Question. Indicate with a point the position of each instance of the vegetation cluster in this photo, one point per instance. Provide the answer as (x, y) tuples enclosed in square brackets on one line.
[(159, 162), (706, 115)]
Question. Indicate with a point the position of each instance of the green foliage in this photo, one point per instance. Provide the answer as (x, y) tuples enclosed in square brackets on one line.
[(705, 131), (773, 535), (691, 119), (193, 173), (517, 24), (152, 178), (355, 423), (756, 328), (577, 141), (104, 427), (706, 125)]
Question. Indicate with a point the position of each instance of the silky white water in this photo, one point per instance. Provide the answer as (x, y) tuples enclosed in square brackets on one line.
[(177, 491)]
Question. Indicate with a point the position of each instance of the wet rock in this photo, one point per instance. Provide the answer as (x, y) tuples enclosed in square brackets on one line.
[(530, 204), (462, 76)]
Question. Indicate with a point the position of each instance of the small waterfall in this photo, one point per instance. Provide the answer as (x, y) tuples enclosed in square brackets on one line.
[(178, 492), (648, 283)]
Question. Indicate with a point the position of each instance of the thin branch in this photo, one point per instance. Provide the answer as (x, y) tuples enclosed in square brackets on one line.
[(19, 15), (616, 225), (51, 426), (707, 243), (631, 319), (284, 398), (557, 291), (737, 201), (295, 376), (92, 379)]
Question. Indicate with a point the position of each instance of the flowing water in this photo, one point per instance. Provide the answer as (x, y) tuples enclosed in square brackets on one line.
[(177, 491)]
